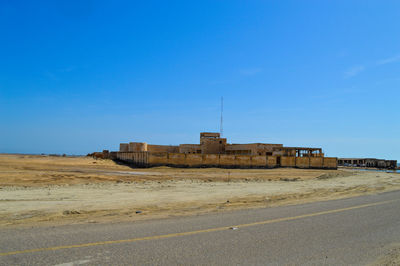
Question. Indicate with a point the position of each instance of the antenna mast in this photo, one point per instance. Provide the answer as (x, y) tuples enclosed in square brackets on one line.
[(222, 110)]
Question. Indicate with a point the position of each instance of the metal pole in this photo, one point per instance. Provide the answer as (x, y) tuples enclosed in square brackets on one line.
[(222, 110)]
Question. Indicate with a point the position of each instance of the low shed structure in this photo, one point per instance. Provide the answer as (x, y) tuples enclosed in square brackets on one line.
[(368, 163)]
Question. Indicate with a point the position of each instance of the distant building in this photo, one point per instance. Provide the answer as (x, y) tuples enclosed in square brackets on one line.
[(368, 163)]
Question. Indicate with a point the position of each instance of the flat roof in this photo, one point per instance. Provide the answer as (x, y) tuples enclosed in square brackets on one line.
[(301, 148), (364, 159), (257, 143)]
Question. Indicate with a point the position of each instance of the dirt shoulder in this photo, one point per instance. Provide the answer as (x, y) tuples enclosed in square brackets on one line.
[(38, 190)]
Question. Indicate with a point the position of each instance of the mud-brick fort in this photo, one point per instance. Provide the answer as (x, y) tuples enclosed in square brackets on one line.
[(214, 151)]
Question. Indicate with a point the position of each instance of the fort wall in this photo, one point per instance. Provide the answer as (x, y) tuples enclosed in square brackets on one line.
[(157, 158), (226, 160), (303, 162), (149, 159), (138, 158), (137, 146), (210, 160), (258, 161), (330, 162), (315, 162), (288, 161), (124, 147), (162, 148)]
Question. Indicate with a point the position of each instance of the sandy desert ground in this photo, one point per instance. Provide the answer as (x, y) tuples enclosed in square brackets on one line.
[(39, 190)]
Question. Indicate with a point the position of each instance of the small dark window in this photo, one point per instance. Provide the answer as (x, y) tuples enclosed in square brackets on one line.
[(220, 142)]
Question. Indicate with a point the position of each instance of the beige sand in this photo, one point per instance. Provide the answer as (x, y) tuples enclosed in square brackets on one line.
[(42, 190), (391, 256)]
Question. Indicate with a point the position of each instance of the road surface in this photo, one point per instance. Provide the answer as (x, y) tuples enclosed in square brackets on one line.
[(355, 231)]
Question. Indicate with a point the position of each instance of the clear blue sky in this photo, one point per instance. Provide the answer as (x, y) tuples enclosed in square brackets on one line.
[(82, 76)]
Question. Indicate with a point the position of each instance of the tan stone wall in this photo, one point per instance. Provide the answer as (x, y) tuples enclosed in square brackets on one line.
[(330, 162), (213, 146), (210, 134), (251, 148), (288, 161), (240, 148), (258, 161), (123, 147), (271, 161), (176, 158), (210, 159), (162, 148), (263, 148), (194, 159), (137, 146), (223, 160), (303, 162), (133, 157), (316, 162), (243, 160), (227, 160), (160, 158), (189, 148)]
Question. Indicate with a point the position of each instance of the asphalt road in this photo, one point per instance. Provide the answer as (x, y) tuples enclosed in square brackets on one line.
[(341, 232)]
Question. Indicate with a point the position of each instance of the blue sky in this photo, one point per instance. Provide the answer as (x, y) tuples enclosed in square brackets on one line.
[(82, 76)]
